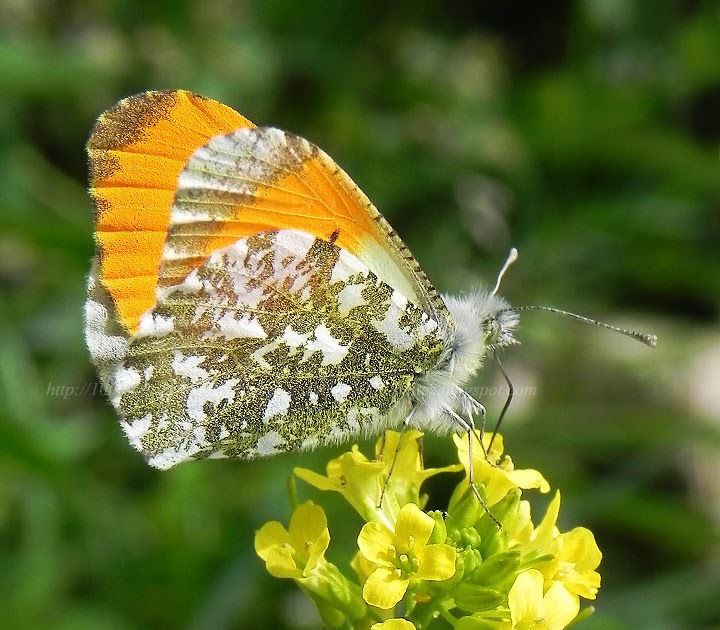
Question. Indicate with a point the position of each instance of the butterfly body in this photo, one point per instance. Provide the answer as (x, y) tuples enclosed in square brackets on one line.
[(247, 299)]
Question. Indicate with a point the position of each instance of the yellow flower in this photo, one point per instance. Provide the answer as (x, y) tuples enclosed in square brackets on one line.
[(398, 470), (575, 554), (298, 552), (578, 557), (402, 555), (402, 452), (356, 478), (393, 624), (544, 537), (496, 473), (522, 529), (519, 577), (532, 609), (295, 552)]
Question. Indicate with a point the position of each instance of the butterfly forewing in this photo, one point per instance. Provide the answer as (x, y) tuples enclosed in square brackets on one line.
[(136, 151)]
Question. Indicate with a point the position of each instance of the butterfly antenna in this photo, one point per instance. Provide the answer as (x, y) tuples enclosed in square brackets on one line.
[(512, 257), (648, 340)]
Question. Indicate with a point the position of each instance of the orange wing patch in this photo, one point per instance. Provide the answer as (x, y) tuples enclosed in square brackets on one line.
[(136, 150), (266, 179)]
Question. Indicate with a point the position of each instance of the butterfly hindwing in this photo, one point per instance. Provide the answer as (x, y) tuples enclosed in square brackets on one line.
[(277, 342)]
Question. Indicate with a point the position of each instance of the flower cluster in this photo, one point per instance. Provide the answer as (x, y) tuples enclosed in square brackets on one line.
[(421, 569)]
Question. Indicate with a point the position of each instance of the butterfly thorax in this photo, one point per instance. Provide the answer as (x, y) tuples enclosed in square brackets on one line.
[(478, 324)]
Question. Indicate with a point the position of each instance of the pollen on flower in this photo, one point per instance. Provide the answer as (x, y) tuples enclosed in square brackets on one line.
[(565, 568)]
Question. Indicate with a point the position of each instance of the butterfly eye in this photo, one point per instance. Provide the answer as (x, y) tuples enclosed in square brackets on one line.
[(492, 329)]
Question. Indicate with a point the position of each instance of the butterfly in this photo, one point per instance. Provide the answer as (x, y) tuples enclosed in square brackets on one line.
[(247, 299)]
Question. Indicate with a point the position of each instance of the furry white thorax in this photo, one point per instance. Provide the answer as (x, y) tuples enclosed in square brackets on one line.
[(483, 322)]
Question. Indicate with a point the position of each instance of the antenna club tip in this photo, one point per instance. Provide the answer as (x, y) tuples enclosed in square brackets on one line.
[(651, 340), (513, 255)]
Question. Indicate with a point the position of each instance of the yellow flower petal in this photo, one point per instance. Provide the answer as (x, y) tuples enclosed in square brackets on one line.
[(384, 588), (351, 474), (316, 552), (496, 472), (295, 552), (527, 479), (268, 536), (561, 606), (413, 524), (525, 597), (358, 480), (545, 533), (307, 524), (374, 541), (531, 609), (317, 480), (406, 459), (578, 557), (493, 456), (579, 546), (408, 453), (281, 564), (523, 530), (362, 567), (437, 562)]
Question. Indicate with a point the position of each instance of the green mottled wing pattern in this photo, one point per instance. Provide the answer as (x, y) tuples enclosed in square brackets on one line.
[(281, 341)]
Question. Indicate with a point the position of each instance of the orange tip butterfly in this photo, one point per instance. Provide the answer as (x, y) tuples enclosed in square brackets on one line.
[(247, 299)]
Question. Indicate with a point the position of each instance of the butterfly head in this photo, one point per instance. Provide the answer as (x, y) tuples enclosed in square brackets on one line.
[(483, 323), (499, 323)]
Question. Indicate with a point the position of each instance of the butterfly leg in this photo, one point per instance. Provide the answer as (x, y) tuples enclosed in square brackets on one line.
[(473, 406), (508, 400), (469, 427), (404, 426)]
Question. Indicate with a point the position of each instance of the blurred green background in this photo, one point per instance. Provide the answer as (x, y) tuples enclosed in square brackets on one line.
[(584, 132)]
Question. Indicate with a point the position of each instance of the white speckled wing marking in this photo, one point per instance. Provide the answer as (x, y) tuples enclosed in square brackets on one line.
[(277, 342), (106, 339)]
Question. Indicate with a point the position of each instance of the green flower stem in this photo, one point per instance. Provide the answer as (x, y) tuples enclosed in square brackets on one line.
[(430, 612), (291, 484), (328, 583)]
